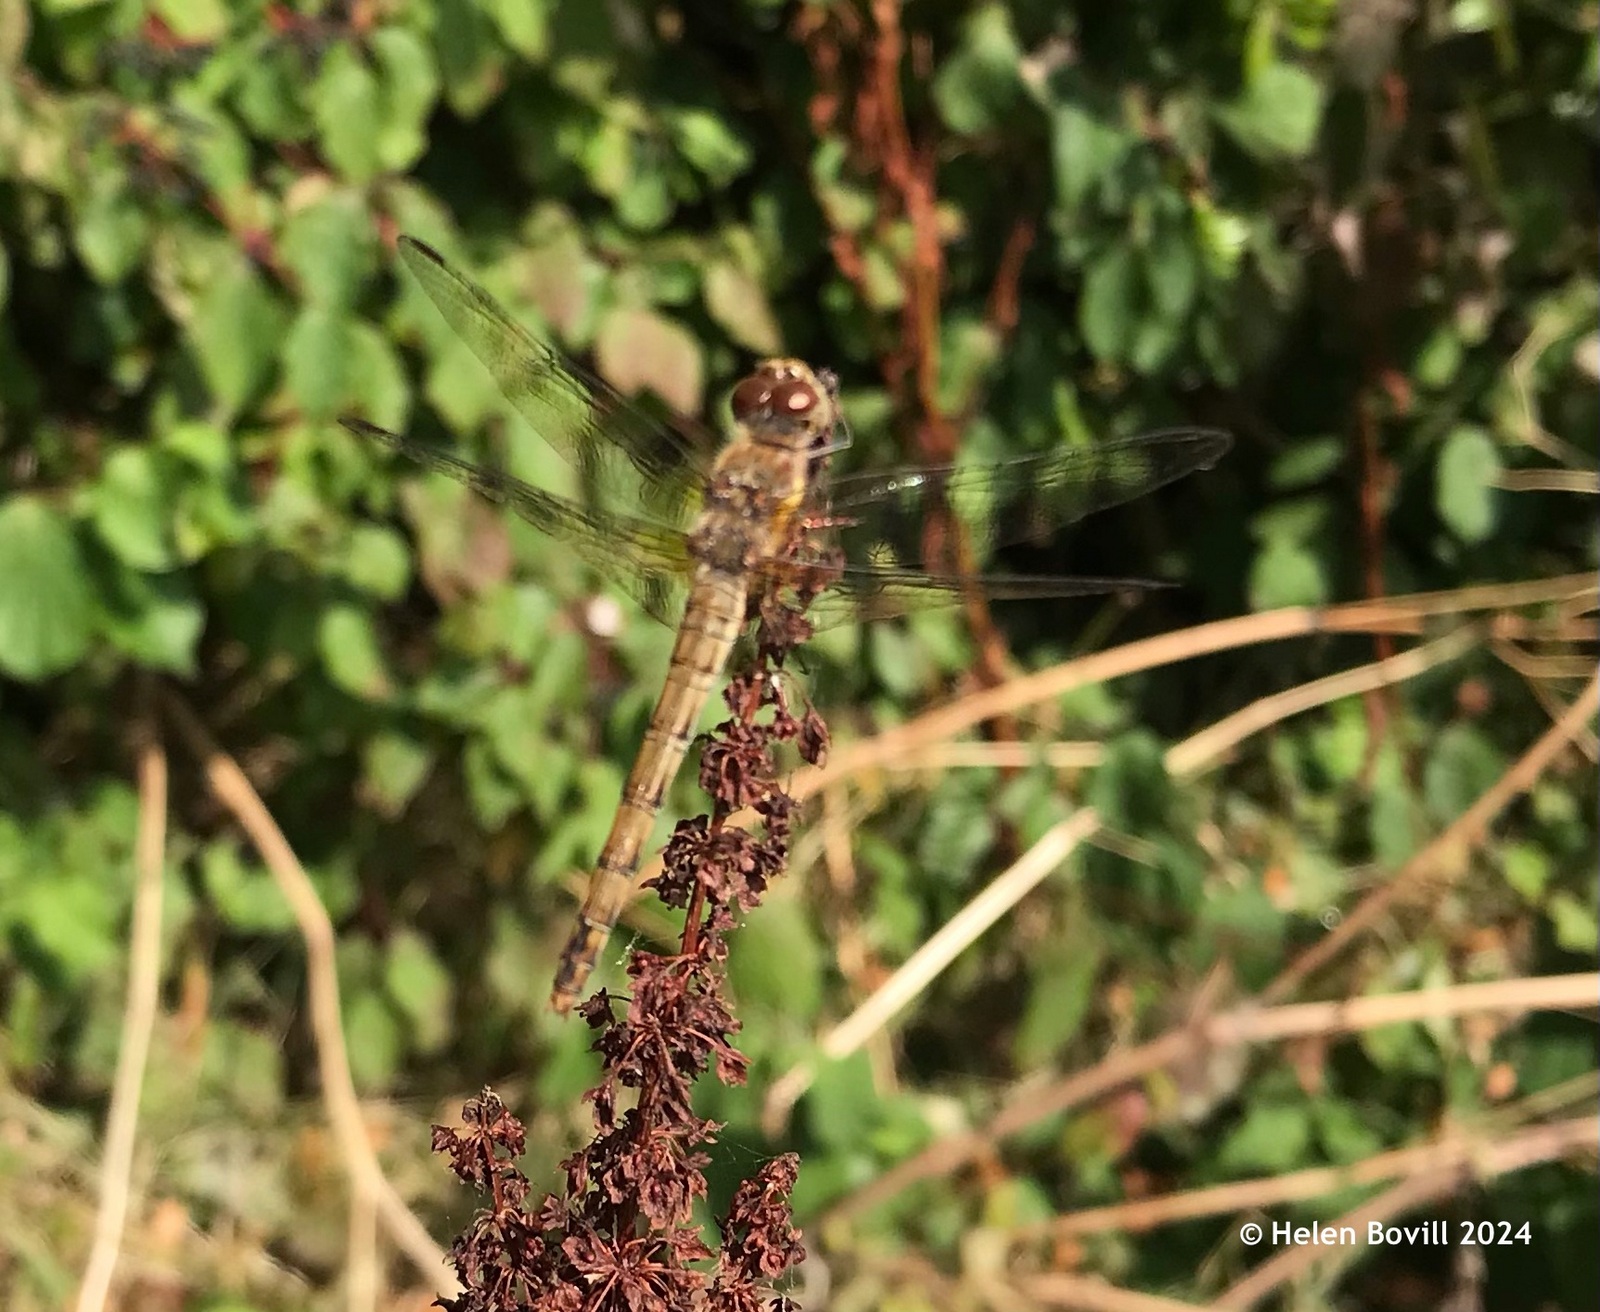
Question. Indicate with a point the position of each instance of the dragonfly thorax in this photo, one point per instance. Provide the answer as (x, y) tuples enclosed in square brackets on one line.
[(749, 504)]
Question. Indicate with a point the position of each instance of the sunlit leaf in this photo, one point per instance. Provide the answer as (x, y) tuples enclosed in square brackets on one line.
[(46, 609), (1278, 114), (1469, 464), (638, 349), (235, 332)]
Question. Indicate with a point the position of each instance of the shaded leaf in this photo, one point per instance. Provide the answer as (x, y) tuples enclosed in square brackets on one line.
[(1112, 300), (1086, 150)]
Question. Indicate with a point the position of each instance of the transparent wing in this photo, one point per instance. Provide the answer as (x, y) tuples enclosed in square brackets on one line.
[(863, 595), (648, 561), (624, 453), (882, 517), (879, 521)]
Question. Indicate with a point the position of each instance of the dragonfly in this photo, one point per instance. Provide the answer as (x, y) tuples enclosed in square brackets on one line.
[(696, 530)]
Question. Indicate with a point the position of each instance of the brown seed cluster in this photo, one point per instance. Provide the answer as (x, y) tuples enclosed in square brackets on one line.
[(622, 1236)]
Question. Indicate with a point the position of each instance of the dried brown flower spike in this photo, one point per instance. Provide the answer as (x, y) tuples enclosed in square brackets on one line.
[(622, 1236)]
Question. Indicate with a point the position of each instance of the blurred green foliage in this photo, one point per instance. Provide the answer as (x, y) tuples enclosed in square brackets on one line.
[(1359, 236)]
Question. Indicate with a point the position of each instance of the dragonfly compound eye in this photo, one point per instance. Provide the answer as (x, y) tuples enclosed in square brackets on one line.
[(750, 397), (794, 397)]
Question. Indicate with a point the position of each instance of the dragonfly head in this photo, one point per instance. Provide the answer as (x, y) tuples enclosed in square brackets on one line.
[(786, 403)]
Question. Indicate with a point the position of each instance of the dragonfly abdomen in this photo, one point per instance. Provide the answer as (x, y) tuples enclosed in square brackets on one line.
[(712, 621)]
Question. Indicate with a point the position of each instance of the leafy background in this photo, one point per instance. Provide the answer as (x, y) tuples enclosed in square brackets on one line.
[(1358, 236)]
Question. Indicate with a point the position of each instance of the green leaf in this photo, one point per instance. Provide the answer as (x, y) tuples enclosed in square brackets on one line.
[(132, 508), (69, 917), (840, 1104), (46, 609), (1278, 115), (420, 987), (1462, 764), (739, 303), (329, 247), (524, 25), (155, 618), (393, 768), (645, 202), (374, 1039), (1086, 150), (956, 834), (776, 962), (1527, 870), (1271, 1139), (111, 231), (246, 895), (470, 61), (375, 380), (637, 349), (376, 561), (710, 144), (898, 661), (1576, 928), (1395, 823), (315, 359), (1308, 461), (1286, 574), (346, 104), (408, 87), (234, 333), (1155, 340), (1243, 924), (197, 21), (1474, 15), (271, 95), (1464, 489), (885, 288), (491, 788), (246, 1067), (1061, 987), (1439, 358), (1112, 300), (978, 88), (1344, 1132), (1172, 272), (350, 653), (969, 353)]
